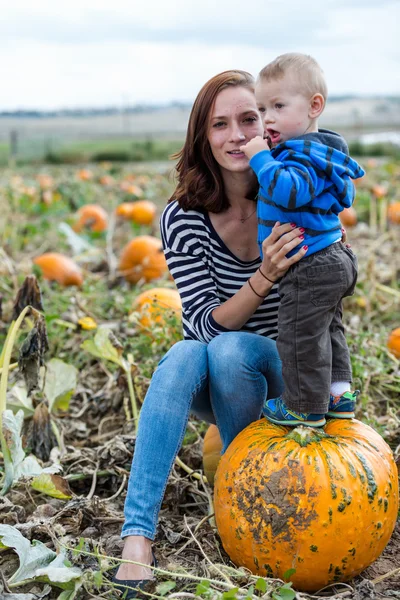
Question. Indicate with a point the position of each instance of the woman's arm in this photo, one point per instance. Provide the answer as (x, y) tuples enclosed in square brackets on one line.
[(236, 311)]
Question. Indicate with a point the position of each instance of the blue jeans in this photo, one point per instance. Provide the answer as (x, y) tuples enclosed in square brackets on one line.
[(224, 382)]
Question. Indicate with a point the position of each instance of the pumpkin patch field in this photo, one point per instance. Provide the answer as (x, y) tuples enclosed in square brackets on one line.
[(87, 310)]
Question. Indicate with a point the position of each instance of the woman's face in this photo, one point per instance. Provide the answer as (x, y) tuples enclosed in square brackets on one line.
[(234, 120)]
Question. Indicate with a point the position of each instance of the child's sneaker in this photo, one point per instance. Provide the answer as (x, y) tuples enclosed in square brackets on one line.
[(276, 411), (343, 407)]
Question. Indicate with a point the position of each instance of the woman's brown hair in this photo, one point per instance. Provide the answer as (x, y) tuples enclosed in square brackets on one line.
[(200, 184)]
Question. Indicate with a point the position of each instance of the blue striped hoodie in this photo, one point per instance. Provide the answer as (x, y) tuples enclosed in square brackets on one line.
[(307, 181)]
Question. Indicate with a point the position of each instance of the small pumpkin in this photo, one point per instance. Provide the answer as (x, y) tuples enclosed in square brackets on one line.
[(124, 210), (379, 191), (153, 305), (143, 258), (91, 216), (393, 342), (131, 188), (348, 217), (322, 502), (212, 446), (106, 180), (143, 212), (84, 175), (394, 212), (45, 181), (60, 268)]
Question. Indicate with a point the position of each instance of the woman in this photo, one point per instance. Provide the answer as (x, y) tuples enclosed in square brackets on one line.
[(228, 363)]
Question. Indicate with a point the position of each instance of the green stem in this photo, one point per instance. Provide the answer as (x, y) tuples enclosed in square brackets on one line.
[(5, 343), (10, 368), (6, 356), (306, 435), (135, 413), (155, 569), (6, 359)]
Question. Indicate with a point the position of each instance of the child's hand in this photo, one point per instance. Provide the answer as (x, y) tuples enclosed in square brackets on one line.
[(254, 146)]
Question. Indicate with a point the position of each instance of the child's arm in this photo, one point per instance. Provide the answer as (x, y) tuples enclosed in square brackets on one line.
[(287, 185)]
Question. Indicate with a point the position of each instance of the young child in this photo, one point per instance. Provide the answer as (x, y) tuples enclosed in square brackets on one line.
[(305, 179)]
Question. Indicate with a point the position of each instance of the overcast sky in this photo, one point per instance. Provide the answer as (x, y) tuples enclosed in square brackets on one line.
[(99, 52)]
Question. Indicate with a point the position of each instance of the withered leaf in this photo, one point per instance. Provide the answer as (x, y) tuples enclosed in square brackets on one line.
[(31, 355), (29, 294), (41, 438)]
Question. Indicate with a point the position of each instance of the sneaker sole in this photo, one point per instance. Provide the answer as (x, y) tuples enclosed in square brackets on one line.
[(319, 423), (341, 415)]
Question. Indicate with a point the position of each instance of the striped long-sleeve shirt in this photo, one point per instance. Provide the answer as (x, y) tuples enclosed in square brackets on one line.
[(308, 181), (207, 274)]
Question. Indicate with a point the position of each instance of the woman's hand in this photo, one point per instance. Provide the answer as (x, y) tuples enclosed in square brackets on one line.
[(282, 239)]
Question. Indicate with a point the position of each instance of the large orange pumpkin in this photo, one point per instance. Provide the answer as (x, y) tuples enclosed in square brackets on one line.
[(348, 217), (92, 216), (394, 213), (393, 342), (322, 502), (212, 446), (155, 304), (60, 268), (143, 258)]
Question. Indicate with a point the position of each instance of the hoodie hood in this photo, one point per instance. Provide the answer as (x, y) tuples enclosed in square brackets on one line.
[(328, 153), (328, 138)]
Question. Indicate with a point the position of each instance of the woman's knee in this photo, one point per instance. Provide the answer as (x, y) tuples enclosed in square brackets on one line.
[(226, 347), (186, 352)]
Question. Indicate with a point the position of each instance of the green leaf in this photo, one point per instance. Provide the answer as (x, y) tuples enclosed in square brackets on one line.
[(60, 383), (37, 561), (261, 585), (230, 594), (202, 587), (98, 578), (17, 399), (101, 346), (166, 586), (76, 242), (52, 485), (284, 593), (287, 574)]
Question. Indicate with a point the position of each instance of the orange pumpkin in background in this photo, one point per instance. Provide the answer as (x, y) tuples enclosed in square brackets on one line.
[(379, 191), (393, 342), (141, 212), (85, 175), (348, 217), (91, 216), (60, 268), (394, 212), (212, 446), (157, 303), (124, 210), (321, 501), (143, 258)]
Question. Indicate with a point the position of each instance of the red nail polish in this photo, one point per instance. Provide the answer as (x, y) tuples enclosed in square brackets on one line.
[(305, 247), (292, 224), (302, 229), (301, 237)]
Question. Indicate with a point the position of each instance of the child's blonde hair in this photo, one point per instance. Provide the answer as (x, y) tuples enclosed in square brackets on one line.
[(304, 67)]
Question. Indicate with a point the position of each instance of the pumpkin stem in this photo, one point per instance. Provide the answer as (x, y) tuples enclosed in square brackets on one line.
[(306, 435)]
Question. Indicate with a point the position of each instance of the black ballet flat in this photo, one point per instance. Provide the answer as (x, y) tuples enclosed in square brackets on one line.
[(126, 585)]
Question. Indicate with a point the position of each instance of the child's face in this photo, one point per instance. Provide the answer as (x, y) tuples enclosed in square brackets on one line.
[(284, 109)]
